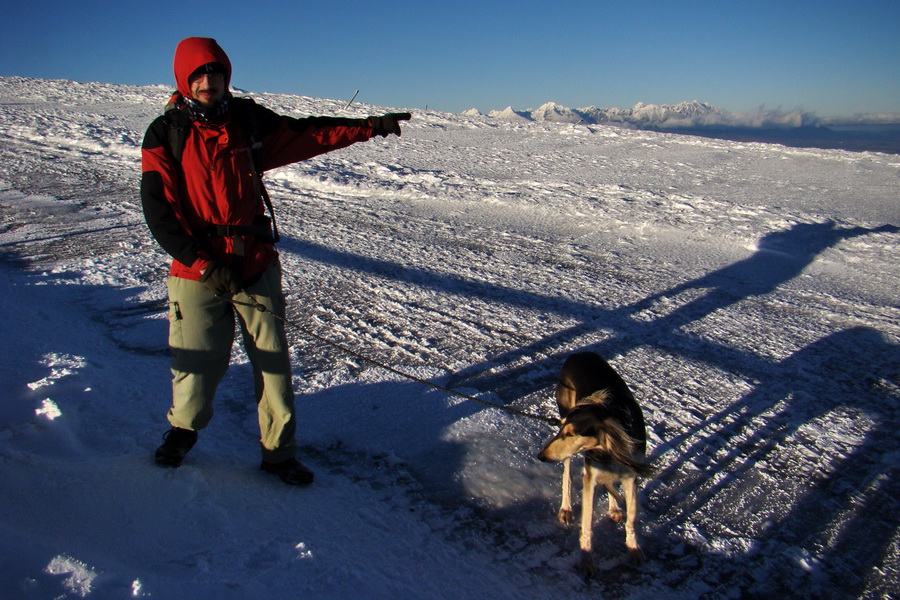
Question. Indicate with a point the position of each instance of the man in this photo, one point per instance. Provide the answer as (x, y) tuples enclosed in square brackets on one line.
[(205, 205)]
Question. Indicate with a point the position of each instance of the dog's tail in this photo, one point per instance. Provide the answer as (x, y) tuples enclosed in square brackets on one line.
[(621, 446), (599, 397)]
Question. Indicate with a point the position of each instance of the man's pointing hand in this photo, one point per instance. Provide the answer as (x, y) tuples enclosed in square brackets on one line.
[(388, 124)]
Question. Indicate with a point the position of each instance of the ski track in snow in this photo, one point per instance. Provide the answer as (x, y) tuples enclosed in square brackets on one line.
[(747, 292)]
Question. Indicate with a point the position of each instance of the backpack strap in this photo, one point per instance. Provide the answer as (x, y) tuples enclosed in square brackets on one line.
[(264, 194), (247, 118)]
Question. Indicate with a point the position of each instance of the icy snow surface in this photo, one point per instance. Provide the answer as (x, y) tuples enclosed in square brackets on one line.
[(747, 292)]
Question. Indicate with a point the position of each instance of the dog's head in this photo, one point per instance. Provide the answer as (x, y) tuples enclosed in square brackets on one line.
[(592, 427), (584, 428)]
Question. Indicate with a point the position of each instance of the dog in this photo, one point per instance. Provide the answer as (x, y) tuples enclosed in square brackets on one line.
[(602, 420)]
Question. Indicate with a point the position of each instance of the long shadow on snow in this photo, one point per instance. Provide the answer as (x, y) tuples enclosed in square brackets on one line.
[(850, 370), (835, 372), (781, 257), (78, 235)]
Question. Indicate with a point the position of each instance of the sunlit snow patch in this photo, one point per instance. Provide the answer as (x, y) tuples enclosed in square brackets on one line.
[(80, 576), (61, 365), (48, 409), (303, 553)]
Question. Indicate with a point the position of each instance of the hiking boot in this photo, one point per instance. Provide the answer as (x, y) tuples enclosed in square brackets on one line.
[(291, 471), (176, 444)]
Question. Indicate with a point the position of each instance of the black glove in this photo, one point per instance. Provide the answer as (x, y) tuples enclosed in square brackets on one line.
[(388, 124), (221, 279)]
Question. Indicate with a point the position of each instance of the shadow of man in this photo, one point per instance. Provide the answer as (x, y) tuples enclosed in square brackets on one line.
[(780, 257), (839, 499)]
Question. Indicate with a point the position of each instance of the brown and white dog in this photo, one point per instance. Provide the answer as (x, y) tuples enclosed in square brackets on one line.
[(602, 420)]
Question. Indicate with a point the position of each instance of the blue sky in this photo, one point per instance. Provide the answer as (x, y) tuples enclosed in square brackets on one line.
[(827, 57)]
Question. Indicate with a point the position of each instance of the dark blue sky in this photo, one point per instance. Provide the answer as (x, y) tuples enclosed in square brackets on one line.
[(827, 57)]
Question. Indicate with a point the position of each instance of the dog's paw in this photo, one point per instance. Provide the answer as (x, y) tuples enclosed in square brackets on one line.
[(635, 557), (565, 516), (616, 515)]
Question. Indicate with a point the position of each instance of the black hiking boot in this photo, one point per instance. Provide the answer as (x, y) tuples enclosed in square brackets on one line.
[(177, 443), (291, 471)]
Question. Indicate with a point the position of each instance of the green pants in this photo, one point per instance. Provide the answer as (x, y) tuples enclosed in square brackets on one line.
[(201, 334)]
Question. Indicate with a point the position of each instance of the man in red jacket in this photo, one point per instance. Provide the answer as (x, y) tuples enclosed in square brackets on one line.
[(204, 203)]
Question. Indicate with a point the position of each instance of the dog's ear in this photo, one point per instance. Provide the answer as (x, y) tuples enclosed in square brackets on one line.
[(568, 430), (620, 445), (614, 440), (599, 397)]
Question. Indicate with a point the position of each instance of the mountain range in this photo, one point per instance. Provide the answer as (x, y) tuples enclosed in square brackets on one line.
[(875, 132), (691, 114)]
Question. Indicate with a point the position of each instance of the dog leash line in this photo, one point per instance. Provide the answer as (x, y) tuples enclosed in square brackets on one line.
[(254, 303)]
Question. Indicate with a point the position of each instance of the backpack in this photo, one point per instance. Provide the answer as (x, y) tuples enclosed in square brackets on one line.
[(245, 117)]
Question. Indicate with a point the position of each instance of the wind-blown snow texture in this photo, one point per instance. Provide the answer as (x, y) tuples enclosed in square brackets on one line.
[(748, 293)]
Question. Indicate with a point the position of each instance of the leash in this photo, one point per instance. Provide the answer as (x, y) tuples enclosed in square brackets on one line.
[(254, 303)]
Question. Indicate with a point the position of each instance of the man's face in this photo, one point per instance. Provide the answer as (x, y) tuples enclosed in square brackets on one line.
[(207, 88)]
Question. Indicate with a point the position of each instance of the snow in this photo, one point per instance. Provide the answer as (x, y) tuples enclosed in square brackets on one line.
[(746, 291)]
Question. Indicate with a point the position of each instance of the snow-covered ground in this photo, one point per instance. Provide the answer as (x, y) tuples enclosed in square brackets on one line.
[(747, 292)]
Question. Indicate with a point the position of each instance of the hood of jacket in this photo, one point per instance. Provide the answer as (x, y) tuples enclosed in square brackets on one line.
[(191, 54)]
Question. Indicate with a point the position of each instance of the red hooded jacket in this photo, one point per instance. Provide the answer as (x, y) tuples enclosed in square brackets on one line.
[(213, 183)]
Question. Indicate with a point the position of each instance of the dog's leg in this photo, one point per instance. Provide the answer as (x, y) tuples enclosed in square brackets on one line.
[(587, 565), (565, 508), (615, 498), (630, 487)]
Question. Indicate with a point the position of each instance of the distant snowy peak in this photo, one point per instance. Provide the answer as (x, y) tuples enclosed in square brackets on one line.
[(508, 114), (556, 113), (681, 115), (651, 113)]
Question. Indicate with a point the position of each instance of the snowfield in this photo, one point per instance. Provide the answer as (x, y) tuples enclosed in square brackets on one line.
[(747, 292)]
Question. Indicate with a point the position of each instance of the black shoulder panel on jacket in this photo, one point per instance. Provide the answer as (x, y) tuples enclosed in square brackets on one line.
[(255, 120), (156, 134)]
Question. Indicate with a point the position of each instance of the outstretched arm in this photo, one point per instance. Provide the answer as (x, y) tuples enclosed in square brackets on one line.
[(287, 140)]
